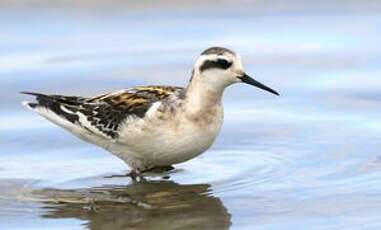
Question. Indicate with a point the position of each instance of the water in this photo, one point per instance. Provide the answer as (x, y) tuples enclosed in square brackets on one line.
[(308, 159)]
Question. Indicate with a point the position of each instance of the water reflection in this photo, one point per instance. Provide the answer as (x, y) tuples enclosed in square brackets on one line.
[(143, 205)]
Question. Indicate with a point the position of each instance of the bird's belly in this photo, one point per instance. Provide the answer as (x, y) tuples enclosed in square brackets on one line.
[(175, 148), (169, 143)]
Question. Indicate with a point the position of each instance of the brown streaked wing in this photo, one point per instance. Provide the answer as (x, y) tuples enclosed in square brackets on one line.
[(106, 112)]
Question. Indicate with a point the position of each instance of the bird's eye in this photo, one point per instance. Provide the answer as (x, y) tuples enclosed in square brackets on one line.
[(223, 64), (215, 64)]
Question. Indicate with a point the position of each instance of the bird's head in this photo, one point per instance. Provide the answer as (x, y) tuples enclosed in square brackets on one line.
[(221, 67)]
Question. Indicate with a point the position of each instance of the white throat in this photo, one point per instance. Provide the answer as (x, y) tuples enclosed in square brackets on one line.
[(203, 95)]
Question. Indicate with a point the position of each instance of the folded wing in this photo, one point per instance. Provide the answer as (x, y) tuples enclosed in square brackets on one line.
[(101, 115)]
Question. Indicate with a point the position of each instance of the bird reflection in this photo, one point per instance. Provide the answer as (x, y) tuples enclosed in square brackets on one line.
[(146, 205)]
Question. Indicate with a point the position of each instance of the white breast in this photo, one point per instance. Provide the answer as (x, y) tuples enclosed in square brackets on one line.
[(165, 139)]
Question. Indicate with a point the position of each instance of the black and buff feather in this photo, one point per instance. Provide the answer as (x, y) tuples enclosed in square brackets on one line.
[(105, 113)]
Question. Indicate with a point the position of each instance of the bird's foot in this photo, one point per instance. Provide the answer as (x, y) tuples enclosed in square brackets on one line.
[(133, 174), (137, 175)]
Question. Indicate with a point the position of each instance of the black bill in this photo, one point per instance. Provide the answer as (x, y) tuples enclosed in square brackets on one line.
[(247, 79)]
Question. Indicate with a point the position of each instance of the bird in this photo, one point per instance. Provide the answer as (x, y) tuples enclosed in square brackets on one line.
[(155, 126)]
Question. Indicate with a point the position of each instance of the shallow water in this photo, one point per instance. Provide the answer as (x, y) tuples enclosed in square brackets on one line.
[(308, 159)]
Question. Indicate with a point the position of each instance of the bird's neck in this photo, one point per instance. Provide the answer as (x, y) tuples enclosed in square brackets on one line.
[(202, 97)]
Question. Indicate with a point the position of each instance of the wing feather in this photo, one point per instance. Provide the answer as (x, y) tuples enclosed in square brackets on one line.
[(103, 114)]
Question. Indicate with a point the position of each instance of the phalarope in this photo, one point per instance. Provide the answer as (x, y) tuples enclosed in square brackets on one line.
[(153, 126)]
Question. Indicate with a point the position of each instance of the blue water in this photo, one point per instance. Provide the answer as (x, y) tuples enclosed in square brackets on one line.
[(309, 159)]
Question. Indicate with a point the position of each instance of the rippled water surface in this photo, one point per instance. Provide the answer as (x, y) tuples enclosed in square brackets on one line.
[(308, 159)]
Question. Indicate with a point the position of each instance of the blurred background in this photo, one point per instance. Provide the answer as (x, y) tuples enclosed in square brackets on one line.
[(308, 159)]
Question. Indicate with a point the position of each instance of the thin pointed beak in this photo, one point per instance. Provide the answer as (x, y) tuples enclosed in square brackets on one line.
[(249, 80)]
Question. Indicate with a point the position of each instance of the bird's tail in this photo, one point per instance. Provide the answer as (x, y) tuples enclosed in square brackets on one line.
[(53, 108), (32, 105)]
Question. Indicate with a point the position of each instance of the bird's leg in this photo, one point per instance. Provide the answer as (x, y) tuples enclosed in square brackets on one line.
[(137, 174), (118, 175), (133, 173)]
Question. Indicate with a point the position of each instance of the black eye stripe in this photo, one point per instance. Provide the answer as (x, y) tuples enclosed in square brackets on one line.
[(218, 64), (223, 63)]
